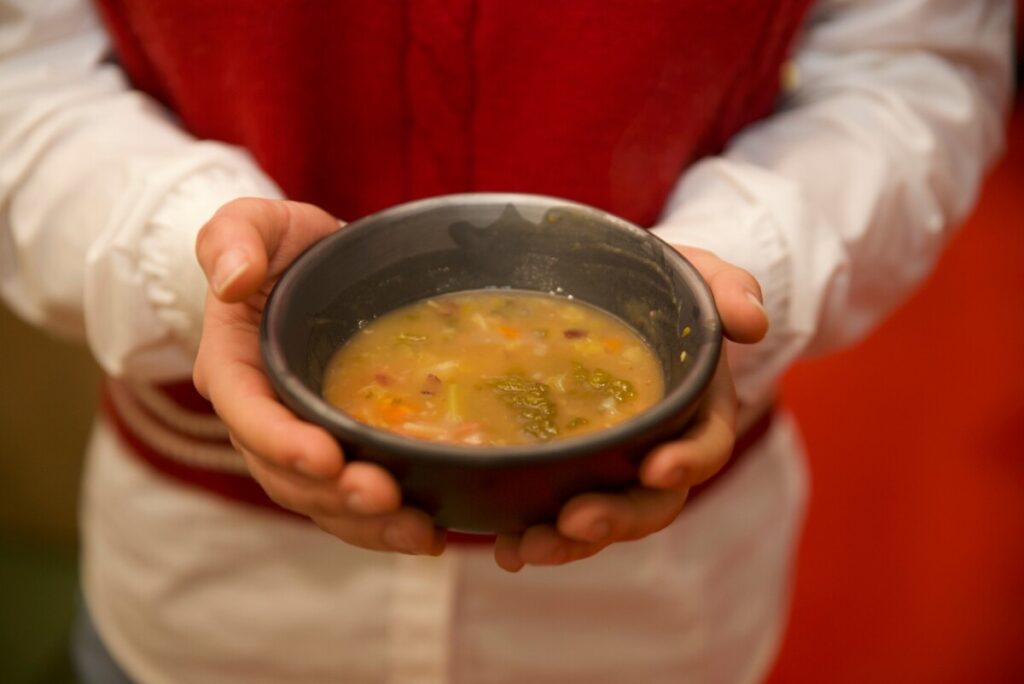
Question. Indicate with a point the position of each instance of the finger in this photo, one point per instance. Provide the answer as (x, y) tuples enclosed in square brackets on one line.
[(608, 518), (233, 247), (273, 434), (293, 492), (706, 445), (544, 545), (250, 240), (244, 400), (407, 530), (737, 295), (369, 489), (506, 553), (371, 492)]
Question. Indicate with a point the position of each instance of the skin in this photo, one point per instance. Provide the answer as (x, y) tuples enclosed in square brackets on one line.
[(246, 246)]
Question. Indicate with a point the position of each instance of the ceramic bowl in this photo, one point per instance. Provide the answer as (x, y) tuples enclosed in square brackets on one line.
[(482, 240)]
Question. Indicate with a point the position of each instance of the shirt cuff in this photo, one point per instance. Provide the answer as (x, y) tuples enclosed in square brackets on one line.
[(173, 280), (712, 209), (144, 290)]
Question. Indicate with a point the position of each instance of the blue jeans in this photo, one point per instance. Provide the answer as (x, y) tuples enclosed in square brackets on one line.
[(93, 662)]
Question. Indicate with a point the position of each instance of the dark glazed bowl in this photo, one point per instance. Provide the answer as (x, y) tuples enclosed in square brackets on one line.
[(472, 241)]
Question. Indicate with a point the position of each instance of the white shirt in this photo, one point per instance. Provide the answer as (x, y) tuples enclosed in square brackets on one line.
[(839, 204)]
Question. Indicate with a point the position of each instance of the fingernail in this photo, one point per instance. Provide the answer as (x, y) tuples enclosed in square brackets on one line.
[(230, 267), (674, 477), (599, 530), (755, 300), (397, 539)]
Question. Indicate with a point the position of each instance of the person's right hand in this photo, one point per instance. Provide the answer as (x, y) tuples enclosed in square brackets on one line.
[(243, 249)]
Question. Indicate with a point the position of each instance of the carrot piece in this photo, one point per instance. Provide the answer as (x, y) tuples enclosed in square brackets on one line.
[(508, 332), (612, 345), (392, 411)]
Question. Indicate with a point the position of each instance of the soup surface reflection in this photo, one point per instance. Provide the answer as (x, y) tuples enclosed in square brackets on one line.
[(494, 367)]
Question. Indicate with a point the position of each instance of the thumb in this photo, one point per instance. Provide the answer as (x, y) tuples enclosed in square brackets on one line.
[(232, 248), (249, 241), (737, 295), (739, 302)]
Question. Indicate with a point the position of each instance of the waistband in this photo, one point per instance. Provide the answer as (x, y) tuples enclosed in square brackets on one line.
[(172, 429)]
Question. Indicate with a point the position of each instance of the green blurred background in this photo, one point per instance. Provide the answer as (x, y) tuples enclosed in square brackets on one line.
[(49, 391)]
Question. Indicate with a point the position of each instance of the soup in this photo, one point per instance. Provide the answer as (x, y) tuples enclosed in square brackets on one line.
[(494, 367)]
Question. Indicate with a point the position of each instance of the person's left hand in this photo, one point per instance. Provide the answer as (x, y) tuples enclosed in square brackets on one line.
[(590, 522)]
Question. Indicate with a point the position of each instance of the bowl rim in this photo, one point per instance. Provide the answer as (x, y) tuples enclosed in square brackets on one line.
[(312, 407)]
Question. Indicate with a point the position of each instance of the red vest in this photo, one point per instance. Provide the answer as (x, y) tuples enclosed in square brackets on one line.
[(355, 105)]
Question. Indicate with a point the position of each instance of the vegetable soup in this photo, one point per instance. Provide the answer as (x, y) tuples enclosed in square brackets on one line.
[(494, 367)]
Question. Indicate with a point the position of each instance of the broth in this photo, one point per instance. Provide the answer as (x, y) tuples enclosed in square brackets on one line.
[(494, 367)]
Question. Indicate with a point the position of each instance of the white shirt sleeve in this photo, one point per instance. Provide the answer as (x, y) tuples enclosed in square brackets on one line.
[(101, 196), (841, 202)]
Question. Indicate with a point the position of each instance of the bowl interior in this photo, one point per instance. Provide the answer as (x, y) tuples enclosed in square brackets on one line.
[(477, 241)]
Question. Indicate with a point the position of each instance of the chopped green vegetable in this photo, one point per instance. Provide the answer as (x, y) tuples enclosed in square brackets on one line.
[(531, 403), (602, 381)]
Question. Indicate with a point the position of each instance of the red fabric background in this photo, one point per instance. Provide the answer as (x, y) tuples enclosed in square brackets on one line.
[(912, 563)]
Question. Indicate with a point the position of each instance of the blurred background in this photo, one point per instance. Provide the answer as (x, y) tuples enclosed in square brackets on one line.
[(911, 567)]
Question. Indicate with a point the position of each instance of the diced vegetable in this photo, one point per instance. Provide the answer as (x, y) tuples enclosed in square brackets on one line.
[(421, 430), (604, 382), (531, 403), (612, 344), (393, 411)]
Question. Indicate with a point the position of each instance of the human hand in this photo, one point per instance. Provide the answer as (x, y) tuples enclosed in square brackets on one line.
[(243, 249), (590, 522)]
